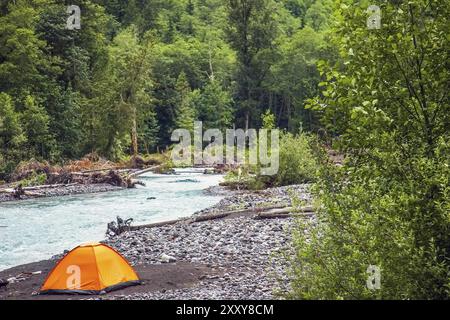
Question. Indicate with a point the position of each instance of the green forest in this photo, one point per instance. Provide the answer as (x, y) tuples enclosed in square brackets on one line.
[(137, 70)]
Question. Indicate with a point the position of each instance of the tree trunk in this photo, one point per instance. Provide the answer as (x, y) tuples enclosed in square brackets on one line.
[(134, 142), (288, 110), (247, 119)]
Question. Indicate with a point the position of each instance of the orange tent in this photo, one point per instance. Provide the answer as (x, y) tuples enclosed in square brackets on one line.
[(91, 268)]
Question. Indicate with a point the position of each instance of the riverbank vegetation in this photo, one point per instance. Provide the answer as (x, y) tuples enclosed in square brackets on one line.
[(297, 164), (388, 206), (375, 99)]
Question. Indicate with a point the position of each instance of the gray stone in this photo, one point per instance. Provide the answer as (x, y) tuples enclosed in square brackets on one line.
[(167, 259)]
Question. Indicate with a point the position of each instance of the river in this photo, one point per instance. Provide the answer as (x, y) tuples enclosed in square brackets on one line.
[(33, 230)]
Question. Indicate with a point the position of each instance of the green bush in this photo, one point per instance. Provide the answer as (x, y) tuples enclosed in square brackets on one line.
[(365, 218), (388, 205), (243, 178), (296, 161), (35, 179), (297, 164)]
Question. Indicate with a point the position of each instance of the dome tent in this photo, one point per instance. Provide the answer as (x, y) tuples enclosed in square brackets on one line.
[(91, 268)]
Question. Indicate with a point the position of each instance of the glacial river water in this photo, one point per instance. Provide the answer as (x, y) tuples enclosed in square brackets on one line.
[(37, 229)]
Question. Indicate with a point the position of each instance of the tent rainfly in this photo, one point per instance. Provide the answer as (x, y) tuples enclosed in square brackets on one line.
[(92, 268)]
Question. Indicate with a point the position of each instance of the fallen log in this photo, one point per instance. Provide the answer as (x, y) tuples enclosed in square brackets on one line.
[(49, 186), (3, 283), (90, 173), (220, 215), (202, 218), (33, 194), (7, 190), (156, 224), (141, 172), (266, 215), (120, 178), (277, 209), (263, 213), (104, 169), (305, 209), (288, 210), (16, 192), (36, 188), (81, 174), (281, 211), (208, 217)]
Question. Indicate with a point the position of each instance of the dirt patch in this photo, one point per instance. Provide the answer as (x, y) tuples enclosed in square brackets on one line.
[(155, 277)]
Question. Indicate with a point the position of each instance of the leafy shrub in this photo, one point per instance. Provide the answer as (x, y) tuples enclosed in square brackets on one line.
[(242, 178), (296, 161), (35, 179), (388, 205), (296, 165), (30, 169), (166, 167), (401, 226), (155, 159)]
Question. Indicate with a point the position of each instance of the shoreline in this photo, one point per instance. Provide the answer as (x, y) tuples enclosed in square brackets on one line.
[(76, 188), (62, 191), (238, 256)]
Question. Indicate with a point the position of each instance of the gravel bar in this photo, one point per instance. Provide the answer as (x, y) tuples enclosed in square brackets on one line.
[(246, 253)]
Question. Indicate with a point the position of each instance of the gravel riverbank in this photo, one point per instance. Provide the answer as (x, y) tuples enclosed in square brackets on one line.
[(236, 257), (244, 253), (65, 191)]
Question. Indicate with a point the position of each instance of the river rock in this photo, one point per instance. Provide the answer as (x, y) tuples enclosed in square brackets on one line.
[(167, 259), (3, 283)]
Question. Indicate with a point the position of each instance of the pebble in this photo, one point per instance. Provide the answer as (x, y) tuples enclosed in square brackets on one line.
[(167, 259)]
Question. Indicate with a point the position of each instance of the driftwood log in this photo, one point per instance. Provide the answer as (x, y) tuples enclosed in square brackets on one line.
[(269, 215), (49, 186), (272, 212), (3, 283), (102, 170), (157, 224), (115, 228), (206, 217), (141, 172), (20, 191), (37, 188), (122, 177)]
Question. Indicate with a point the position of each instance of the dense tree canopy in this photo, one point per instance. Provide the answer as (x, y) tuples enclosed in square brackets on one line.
[(136, 70)]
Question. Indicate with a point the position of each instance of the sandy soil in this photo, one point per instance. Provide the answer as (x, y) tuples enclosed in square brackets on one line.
[(155, 277)]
